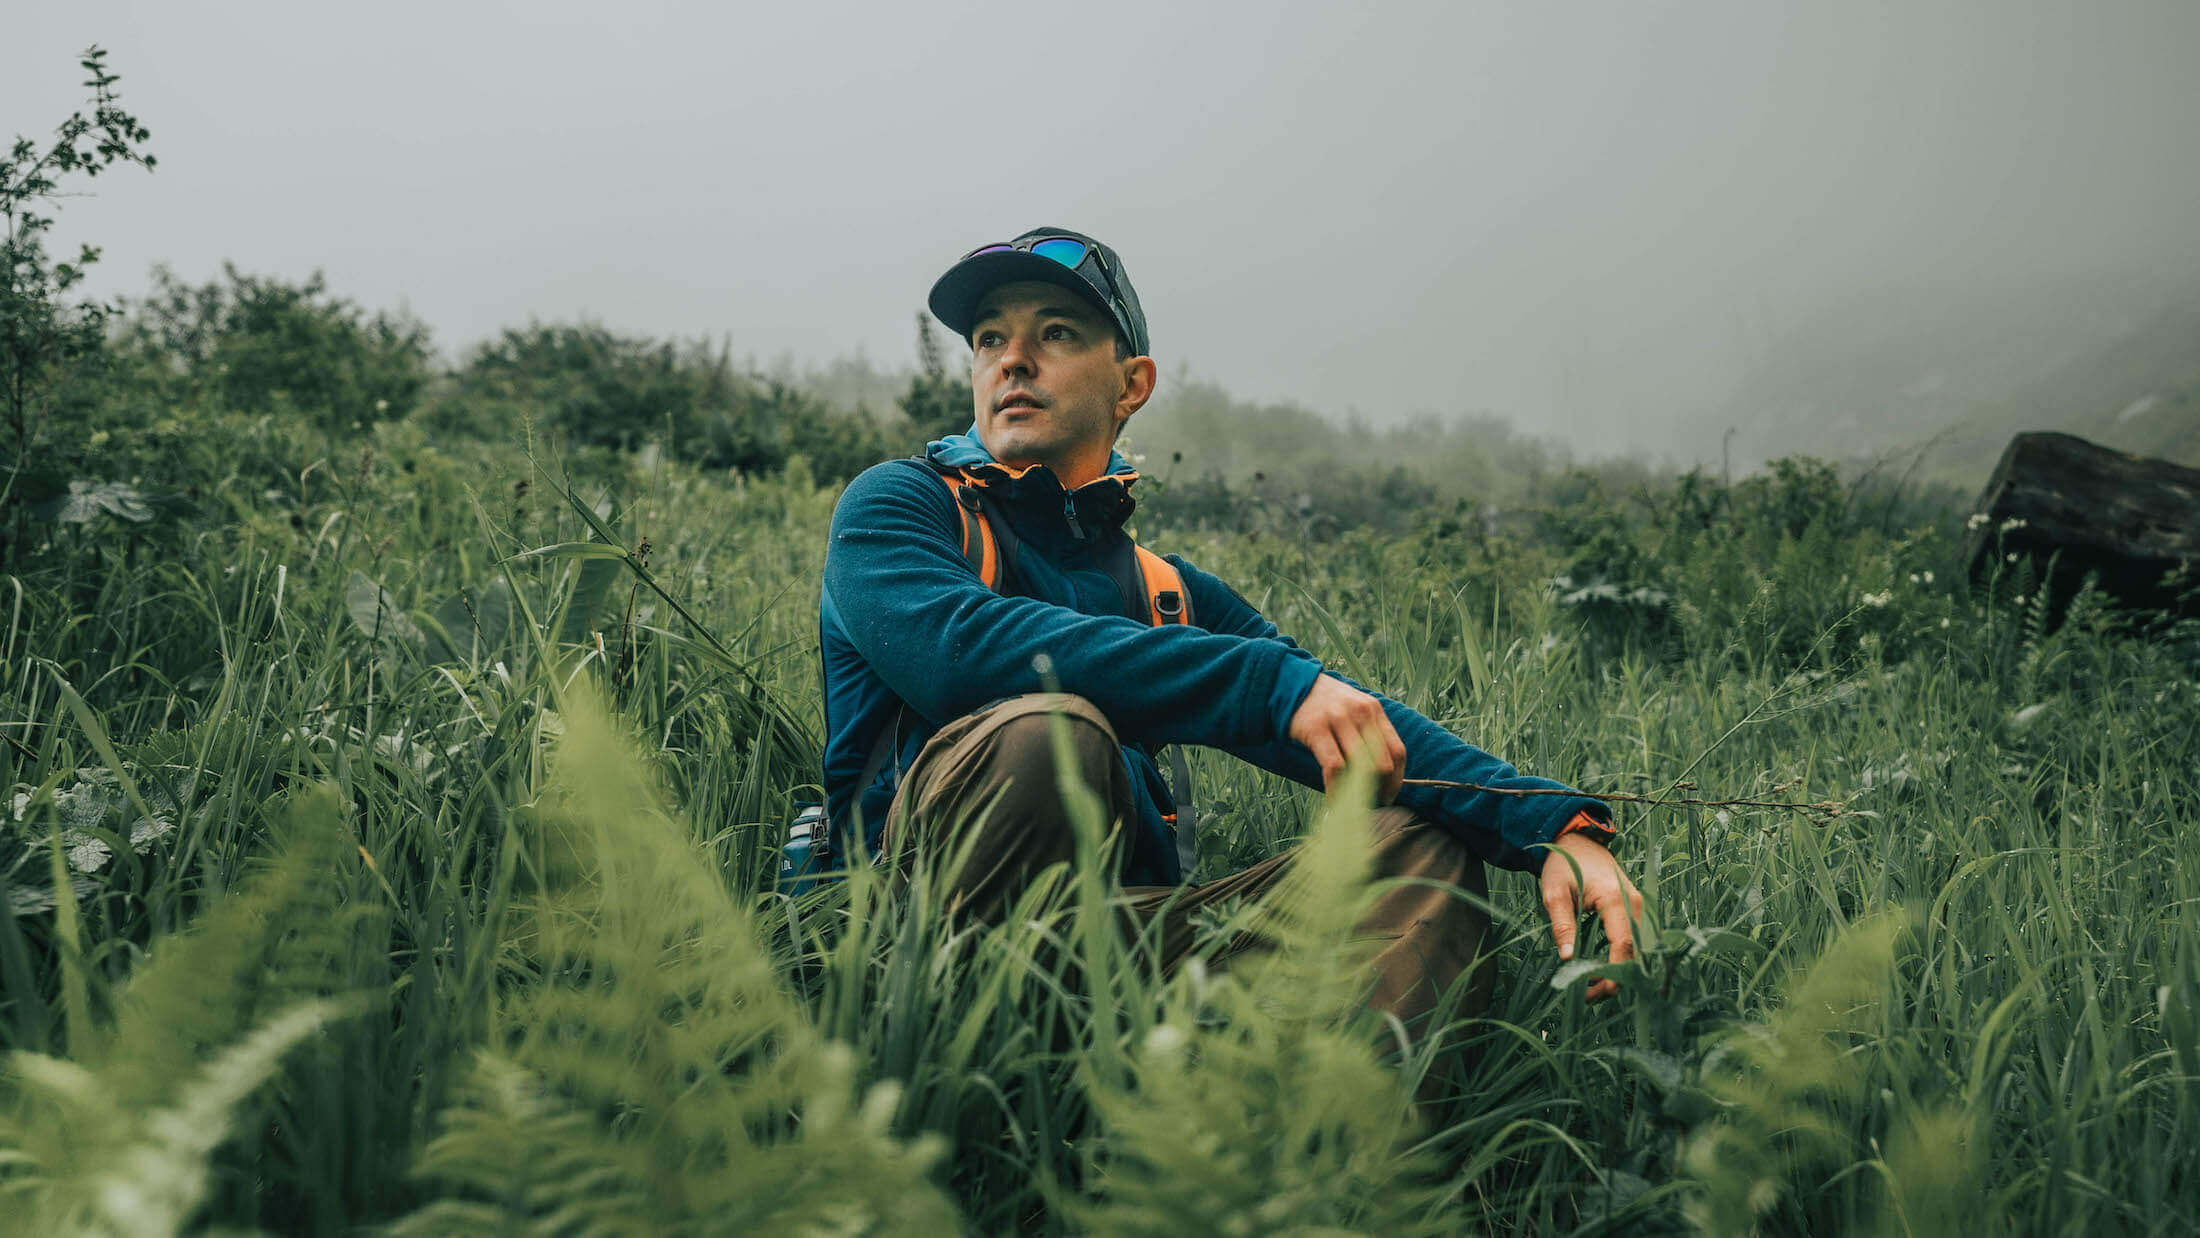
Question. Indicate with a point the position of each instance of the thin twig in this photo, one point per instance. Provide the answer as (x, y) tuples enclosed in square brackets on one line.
[(1828, 808)]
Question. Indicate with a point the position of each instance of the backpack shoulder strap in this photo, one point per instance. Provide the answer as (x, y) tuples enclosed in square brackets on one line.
[(1166, 598), (980, 547), (1153, 590)]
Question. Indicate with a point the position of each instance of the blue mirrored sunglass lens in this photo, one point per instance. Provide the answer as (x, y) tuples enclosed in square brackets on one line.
[(1067, 252)]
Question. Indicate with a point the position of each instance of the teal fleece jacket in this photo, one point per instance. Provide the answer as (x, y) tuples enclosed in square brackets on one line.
[(911, 638)]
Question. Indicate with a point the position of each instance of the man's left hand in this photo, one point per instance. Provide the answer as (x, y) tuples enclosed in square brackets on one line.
[(1603, 890)]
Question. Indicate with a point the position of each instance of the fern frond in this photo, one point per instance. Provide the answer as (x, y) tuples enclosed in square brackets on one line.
[(305, 927), (1789, 1087), (117, 1138), (145, 1174), (655, 1077), (1260, 1104)]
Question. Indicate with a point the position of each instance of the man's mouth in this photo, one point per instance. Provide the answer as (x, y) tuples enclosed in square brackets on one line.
[(1017, 400)]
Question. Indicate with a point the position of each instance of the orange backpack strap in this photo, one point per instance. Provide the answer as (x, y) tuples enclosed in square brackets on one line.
[(1169, 602), (979, 548), (1166, 597)]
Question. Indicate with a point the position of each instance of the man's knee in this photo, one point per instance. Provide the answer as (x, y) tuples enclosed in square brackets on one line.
[(1039, 739), (1407, 844), (986, 795), (999, 769)]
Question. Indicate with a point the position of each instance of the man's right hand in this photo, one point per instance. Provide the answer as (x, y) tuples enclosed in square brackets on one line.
[(1337, 721)]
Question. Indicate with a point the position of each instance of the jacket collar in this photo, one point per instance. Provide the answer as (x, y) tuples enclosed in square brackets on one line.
[(1107, 497)]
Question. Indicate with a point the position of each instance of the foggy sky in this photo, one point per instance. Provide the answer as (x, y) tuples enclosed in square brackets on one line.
[(1575, 215)]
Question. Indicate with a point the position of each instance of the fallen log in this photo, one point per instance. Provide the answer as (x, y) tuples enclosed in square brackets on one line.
[(2057, 499)]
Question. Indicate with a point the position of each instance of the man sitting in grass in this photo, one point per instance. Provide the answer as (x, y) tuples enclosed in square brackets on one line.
[(937, 692)]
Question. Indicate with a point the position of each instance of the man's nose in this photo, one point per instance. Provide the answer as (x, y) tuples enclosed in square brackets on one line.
[(1016, 356)]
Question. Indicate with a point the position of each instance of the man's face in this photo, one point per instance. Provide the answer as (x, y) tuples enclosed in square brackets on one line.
[(1045, 381)]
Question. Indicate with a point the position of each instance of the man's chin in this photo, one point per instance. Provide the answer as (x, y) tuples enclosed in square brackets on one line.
[(1014, 449)]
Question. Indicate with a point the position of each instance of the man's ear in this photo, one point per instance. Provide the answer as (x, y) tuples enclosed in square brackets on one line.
[(1139, 376)]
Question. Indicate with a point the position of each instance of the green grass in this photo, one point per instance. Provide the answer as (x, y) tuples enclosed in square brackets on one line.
[(505, 830)]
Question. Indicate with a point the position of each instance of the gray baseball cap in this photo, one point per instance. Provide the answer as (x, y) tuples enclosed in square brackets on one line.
[(1050, 255)]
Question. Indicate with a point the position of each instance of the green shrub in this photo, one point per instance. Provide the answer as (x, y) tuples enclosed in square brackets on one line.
[(258, 344), (587, 386), (50, 346)]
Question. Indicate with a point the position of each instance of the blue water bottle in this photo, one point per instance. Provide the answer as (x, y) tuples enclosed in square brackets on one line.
[(808, 851)]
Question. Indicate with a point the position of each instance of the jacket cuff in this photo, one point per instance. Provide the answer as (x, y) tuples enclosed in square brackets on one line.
[(1584, 823)]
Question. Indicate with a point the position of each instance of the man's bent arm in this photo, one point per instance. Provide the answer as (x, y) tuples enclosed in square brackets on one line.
[(947, 644), (1508, 830)]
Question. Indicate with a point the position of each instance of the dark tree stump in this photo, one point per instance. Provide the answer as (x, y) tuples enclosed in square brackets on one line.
[(2087, 508)]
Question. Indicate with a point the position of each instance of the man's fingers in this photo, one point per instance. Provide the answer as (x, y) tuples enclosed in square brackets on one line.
[(1397, 745), (1558, 903), (1393, 748), (1388, 762), (1328, 756), (1616, 929), (1337, 722)]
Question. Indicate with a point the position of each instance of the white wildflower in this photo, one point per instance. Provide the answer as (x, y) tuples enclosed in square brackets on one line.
[(1166, 1040), (1977, 520), (2011, 556), (2012, 524), (1944, 622), (1928, 576), (1914, 578), (1876, 600)]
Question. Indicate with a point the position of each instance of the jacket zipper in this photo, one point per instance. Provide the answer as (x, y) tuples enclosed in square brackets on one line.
[(1069, 513)]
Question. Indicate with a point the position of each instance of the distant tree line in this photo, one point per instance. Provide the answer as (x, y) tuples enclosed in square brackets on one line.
[(105, 403)]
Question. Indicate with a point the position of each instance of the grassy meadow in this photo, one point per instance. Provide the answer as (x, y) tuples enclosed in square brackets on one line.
[(395, 817)]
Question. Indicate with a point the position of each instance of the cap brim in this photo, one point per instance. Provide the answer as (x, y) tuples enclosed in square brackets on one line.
[(955, 296)]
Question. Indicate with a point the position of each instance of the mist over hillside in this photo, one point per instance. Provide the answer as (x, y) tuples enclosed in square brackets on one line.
[(1953, 371)]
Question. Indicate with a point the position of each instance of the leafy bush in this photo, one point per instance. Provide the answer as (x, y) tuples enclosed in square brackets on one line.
[(589, 386), (257, 344), (48, 345), (939, 401)]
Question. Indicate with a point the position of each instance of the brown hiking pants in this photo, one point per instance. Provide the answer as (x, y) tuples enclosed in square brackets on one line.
[(994, 771)]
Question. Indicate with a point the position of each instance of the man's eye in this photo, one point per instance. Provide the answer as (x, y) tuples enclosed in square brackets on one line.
[(1058, 332), (986, 339)]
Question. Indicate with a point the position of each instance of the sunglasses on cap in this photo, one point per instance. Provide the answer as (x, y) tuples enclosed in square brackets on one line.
[(1071, 253)]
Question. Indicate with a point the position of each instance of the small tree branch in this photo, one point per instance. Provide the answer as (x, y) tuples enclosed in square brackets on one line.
[(1822, 808)]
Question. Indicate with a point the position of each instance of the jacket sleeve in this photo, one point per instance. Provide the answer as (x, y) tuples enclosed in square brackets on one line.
[(1511, 831), (947, 645)]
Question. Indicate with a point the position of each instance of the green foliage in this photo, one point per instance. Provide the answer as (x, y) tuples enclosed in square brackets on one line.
[(939, 401), (595, 387), (649, 1073), (572, 996), (119, 1136), (590, 386), (1228, 464), (253, 344), (1257, 1102), (46, 341), (1793, 1092)]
